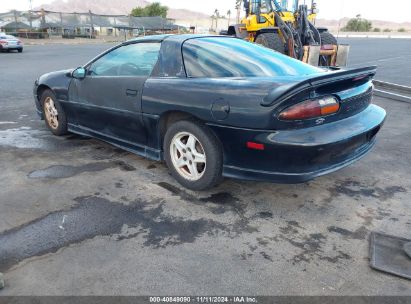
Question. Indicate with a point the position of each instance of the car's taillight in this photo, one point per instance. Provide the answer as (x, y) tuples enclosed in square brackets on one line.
[(18, 42), (311, 108), (3, 42)]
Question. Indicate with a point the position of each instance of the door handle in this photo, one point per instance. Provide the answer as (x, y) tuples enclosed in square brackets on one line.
[(131, 92)]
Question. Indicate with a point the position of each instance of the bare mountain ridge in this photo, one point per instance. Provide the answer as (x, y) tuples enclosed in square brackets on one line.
[(124, 7), (110, 7)]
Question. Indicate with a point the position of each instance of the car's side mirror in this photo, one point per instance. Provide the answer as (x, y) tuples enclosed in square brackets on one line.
[(79, 73)]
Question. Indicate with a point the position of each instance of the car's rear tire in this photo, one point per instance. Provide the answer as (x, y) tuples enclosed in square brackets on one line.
[(54, 114), (272, 41), (193, 154), (20, 50)]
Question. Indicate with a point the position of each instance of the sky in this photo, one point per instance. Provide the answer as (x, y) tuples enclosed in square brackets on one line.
[(397, 11)]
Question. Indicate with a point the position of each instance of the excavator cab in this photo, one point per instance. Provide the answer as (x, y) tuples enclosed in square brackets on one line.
[(288, 27)]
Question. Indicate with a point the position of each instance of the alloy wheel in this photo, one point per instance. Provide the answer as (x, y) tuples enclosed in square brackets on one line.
[(188, 156), (51, 113)]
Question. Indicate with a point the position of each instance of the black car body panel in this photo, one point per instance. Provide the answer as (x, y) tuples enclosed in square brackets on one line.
[(236, 109), (298, 155)]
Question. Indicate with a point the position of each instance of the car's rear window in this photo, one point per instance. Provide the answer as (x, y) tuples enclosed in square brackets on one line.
[(216, 57)]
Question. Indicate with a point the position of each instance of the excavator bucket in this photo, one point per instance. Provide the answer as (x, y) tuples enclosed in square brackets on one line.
[(333, 55)]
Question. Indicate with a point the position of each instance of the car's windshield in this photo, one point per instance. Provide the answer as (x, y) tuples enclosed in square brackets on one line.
[(231, 57)]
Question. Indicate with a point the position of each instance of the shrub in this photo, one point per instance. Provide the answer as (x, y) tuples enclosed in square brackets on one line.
[(357, 25), (154, 9)]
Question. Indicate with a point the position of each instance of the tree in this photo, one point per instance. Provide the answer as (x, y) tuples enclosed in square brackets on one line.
[(238, 8), (217, 15), (229, 17), (376, 29), (357, 24), (402, 30), (138, 12), (152, 10)]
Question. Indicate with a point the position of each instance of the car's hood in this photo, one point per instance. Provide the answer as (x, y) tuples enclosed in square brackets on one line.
[(55, 75)]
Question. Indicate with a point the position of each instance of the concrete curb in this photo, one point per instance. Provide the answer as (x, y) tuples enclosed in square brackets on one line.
[(392, 36), (392, 91)]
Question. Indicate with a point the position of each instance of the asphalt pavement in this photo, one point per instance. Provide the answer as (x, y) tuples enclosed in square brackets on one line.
[(392, 56), (81, 217)]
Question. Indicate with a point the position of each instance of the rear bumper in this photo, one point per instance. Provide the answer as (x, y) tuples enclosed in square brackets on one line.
[(11, 47), (295, 156), (292, 177)]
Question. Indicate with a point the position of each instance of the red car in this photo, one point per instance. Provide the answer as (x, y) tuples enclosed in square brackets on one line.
[(9, 42)]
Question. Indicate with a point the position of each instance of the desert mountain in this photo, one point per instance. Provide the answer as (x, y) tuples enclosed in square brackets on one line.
[(124, 7), (110, 7)]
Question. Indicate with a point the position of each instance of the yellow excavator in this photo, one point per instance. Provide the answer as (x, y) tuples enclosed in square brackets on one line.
[(289, 28)]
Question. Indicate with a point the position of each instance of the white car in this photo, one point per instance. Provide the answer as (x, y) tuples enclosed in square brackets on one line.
[(9, 42)]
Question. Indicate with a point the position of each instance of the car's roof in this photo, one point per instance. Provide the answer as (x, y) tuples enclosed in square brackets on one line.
[(175, 37), (147, 38)]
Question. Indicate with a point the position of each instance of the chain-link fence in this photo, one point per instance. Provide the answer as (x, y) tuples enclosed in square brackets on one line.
[(45, 24)]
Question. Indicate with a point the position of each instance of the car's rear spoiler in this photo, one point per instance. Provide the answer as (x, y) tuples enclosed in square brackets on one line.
[(283, 92)]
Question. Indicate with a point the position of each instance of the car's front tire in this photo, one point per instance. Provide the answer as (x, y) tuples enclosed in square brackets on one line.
[(193, 154), (20, 50), (54, 114)]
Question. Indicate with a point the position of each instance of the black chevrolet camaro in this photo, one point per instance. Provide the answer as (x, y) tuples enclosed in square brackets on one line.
[(214, 106)]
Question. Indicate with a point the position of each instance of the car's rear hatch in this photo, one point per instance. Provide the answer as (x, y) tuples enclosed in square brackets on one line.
[(353, 88), (330, 82)]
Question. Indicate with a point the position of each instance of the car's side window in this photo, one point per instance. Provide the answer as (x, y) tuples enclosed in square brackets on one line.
[(129, 60)]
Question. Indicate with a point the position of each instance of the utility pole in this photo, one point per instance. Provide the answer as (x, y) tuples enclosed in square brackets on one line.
[(130, 26), (30, 12), (115, 27), (91, 24), (43, 17), (61, 23), (15, 21)]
